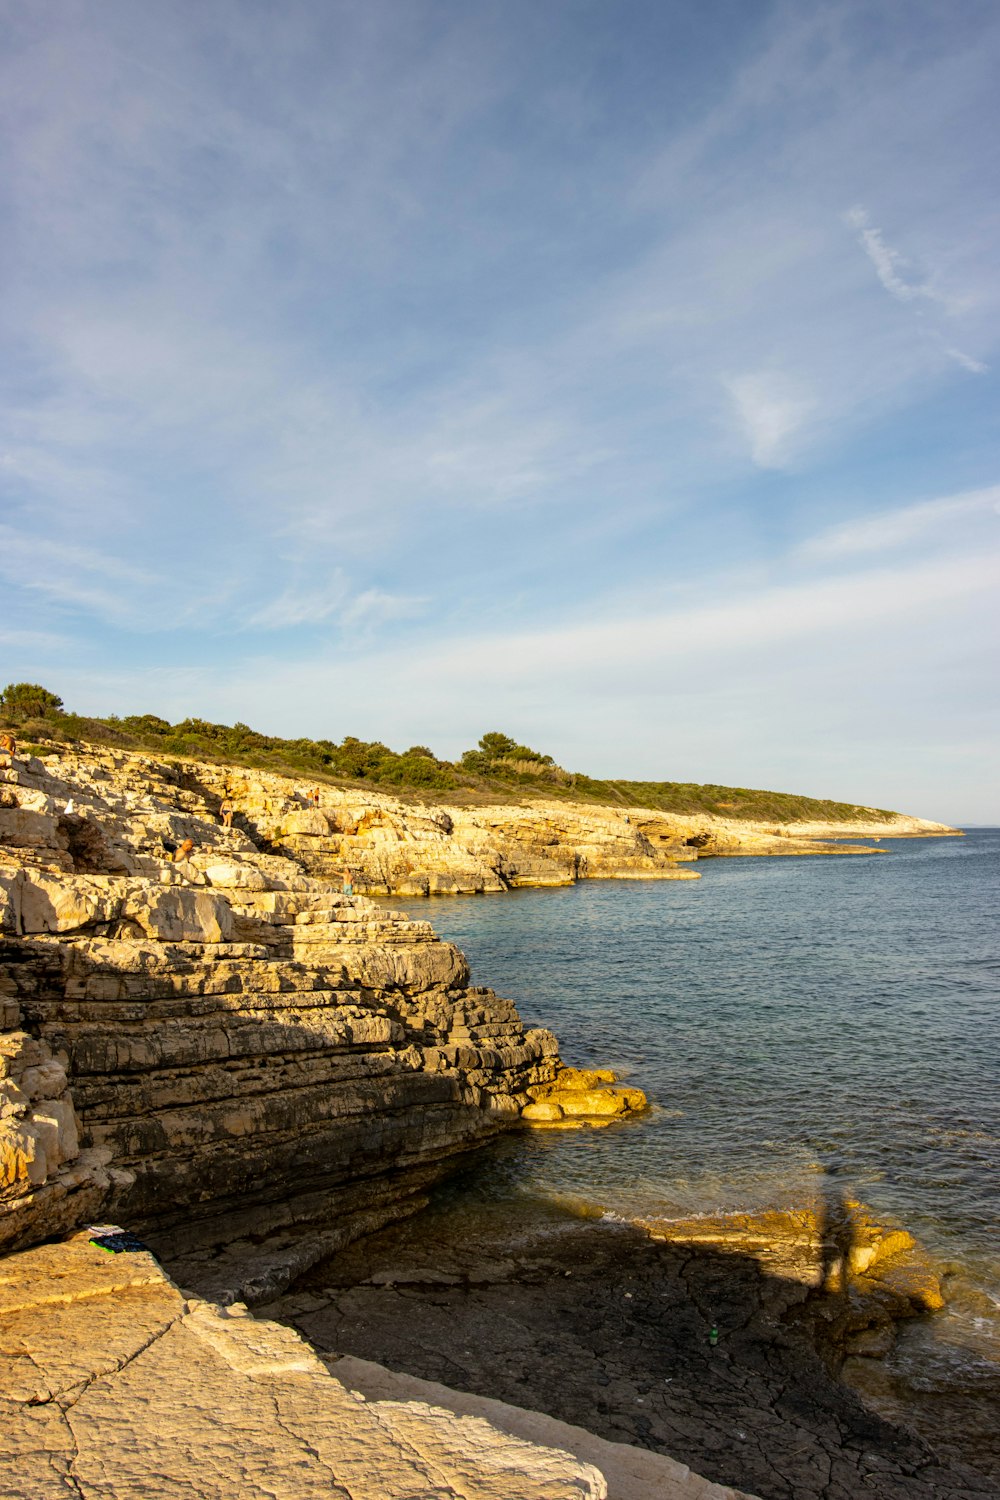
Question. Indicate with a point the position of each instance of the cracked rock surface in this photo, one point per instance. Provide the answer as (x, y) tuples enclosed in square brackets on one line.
[(114, 1386)]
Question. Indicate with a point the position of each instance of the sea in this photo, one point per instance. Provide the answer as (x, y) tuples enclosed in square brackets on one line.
[(790, 1019)]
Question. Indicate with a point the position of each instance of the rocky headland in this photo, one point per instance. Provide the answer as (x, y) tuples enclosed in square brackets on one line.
[(206, 1038)]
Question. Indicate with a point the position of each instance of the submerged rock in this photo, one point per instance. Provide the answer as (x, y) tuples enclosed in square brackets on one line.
[(581, 1096)]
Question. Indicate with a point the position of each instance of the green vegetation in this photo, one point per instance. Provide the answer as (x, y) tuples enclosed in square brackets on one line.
[(27, 700), (498, 770)]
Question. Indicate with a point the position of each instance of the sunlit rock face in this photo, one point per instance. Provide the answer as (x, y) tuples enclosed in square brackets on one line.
[(118, 1383), (219, 1046), (386, 846)]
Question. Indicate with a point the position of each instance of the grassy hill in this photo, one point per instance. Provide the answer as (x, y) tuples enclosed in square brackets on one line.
[(498, 770)]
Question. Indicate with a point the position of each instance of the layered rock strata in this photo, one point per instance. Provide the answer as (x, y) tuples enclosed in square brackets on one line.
[(220, 1048), (388, 846)]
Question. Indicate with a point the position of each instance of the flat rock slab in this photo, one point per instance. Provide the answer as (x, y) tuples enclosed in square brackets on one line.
[(115, 1386)]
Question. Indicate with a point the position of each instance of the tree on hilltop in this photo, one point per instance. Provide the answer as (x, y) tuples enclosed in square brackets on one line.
[(497, 749), (28, 700)]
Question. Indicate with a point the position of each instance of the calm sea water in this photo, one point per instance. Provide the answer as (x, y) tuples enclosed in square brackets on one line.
[(787, 1018)]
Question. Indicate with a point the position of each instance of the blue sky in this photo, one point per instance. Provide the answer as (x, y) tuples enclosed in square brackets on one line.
[(619, 375)]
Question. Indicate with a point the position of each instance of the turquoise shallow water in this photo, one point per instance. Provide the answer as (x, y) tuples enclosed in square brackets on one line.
[(787, 1018)]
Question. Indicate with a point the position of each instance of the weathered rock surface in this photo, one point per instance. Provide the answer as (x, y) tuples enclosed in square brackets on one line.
[(579, 1096), (384, 845), (630, 1473), (871, 1275), (715, 837), (229, 1053), (389, 847), (224, 1047), (115, 1384)]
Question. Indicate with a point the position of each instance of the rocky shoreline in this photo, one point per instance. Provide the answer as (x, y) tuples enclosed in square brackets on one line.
[(216, 1045), (603, 1327), (206, 1037)]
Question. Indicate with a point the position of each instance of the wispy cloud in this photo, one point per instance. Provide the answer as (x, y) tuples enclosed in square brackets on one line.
[(975, 366), (895, 273), (635, 645), (889, 530), (299, 606), (890, 265), (375, 607), (77, 578), (333, 603), (322, 321), (37, 643)]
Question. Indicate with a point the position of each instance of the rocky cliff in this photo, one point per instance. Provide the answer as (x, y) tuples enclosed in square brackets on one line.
[(219, 1045), (387, 846)]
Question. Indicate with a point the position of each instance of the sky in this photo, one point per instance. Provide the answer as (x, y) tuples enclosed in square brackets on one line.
[(618, 374)]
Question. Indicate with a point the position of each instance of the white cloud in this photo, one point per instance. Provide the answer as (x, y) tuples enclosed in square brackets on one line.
[(976, 366), (772, 410), (375, 607), (636, 646), (96, 582), (890, 529), (31, 642), (299, 606), (341, 319), (333, 601), (822, 686)]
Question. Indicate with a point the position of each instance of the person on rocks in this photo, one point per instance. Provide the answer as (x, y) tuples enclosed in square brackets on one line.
[(8, 748), (226, 811), (348, 885), (314, 796), (184, 851)]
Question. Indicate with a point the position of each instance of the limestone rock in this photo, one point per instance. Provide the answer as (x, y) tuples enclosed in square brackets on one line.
[(11, 885), (178, 916), (114, 1383), (630, 1473), (875, 1274), (51, 903), (22, 828)]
